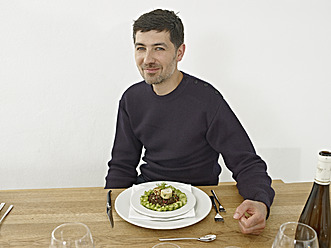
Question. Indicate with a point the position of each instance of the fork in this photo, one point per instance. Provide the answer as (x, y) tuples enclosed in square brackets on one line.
[(221, 209), (217, 217)]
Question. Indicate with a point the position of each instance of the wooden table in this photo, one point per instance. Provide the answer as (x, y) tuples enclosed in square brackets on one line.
[(37, 212)]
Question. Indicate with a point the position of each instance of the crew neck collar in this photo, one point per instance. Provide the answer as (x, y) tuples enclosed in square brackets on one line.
[(173, 93)]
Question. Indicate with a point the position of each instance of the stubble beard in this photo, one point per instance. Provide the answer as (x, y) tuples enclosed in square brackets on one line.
[(151, 79)]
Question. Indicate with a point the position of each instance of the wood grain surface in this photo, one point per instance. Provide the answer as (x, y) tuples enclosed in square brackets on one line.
[(37, 212)]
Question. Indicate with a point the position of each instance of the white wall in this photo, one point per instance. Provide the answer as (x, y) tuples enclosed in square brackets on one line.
[(64, 65)]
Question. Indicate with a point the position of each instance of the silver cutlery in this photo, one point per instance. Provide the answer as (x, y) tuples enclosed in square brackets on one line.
[(109, 209), (2, 205), (7, 212), (207, 238), (217, 217), (221, 209)]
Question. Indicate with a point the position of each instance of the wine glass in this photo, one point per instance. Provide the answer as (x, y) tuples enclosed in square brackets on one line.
[(295, 234), (72, 235)]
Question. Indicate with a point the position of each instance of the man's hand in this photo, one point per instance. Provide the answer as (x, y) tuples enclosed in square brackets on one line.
[(251, 216)]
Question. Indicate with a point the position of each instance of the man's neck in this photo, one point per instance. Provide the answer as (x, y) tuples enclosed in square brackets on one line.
[(169, 85)]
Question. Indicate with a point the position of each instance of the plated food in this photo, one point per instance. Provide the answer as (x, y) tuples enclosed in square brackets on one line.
[(128, 207), (163, 197), (139, 196)]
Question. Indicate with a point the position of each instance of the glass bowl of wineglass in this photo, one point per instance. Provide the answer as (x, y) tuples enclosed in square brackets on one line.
[(72, 235), (297, 235)]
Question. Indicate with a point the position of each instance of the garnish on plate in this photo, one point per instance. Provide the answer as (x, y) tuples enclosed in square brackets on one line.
[(163, 198)]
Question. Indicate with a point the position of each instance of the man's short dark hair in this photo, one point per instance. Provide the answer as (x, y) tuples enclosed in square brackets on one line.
[(161, 20)]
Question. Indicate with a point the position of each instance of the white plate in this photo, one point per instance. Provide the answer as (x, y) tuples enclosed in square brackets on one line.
[(202, 209), (135, 203)]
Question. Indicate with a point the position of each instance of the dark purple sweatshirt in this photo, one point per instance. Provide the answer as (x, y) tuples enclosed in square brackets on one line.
[(183, 134)]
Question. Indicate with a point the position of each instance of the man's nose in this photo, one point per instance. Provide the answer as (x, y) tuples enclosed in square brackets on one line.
[(149, 57)]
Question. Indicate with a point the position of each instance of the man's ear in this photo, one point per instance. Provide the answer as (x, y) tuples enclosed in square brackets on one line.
[(180, 52)]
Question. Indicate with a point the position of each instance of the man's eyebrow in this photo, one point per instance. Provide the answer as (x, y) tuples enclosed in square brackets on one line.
[(139, 44), (160, 44), (155, 44)]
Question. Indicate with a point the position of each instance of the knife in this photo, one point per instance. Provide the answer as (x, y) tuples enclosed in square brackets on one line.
[(2, 205), (7, 212), (109, 209)]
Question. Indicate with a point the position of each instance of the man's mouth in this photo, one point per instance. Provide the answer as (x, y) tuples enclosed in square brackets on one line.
[(150, 69)]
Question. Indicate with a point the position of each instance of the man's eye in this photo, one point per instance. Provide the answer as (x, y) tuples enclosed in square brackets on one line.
[(140, 48), (159, 49)]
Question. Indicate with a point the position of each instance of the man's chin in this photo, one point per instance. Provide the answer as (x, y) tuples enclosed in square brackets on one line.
[(152, 80)]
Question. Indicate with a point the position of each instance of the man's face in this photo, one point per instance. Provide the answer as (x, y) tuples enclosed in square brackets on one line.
[(156, 56)]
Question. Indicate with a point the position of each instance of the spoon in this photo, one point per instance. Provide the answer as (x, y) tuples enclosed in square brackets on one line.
[(207, 238)]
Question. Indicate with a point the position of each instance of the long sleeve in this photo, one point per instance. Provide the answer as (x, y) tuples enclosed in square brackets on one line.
[(183, 134), (126, 153), (227, 136)]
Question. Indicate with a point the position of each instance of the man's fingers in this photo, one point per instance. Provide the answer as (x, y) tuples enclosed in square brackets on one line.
[(249, 222), (251, 216), (241, 210), (246, 227)]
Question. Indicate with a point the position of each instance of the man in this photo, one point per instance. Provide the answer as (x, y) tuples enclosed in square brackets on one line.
[(184, 124)]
